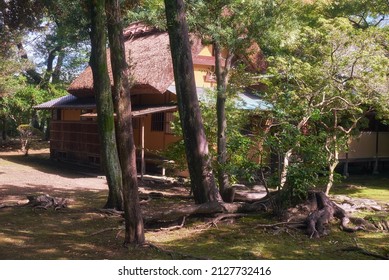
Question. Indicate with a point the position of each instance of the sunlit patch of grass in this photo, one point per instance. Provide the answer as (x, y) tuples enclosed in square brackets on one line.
[(372, 187), (47, 251), (12, 240)]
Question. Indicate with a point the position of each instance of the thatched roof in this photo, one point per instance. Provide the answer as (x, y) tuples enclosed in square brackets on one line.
[(149, 59)]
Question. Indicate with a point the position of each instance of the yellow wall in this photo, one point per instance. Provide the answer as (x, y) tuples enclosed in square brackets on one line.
[(364, 146), (200, 73), (383, 147), (206, 51), (70, 115), (154, 140)]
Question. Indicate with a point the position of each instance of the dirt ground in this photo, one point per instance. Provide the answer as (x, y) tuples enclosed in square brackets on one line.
[(37, 174), (77, 232), (21, 176)]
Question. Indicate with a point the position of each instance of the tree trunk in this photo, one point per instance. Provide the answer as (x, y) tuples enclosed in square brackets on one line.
[(49, 69), (134, 228), (323, 211), (104, 104), (285, 166), (221, 80), (4, 131), (196, 145), (31, 71), (288, 155), (332, 163), (57, 70)]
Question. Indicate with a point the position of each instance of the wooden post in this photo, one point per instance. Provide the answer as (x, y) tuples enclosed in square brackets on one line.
[(142, 152), (375, 170), (345, 169)]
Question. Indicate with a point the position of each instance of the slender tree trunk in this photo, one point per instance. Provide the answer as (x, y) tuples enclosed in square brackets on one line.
[(285, 166), (222, 80), (134, 229), (104, 103), (196, 144), (4, 132), (332, 161), (288, 156)]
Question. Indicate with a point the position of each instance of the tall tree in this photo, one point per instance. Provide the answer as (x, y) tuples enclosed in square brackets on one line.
[(134, 229), (196, 145), (104, 103), (222, 23), (322, 83)]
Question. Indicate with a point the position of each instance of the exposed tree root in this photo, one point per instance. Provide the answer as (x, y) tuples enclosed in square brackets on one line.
[(178, 213), (46, 201), (164, 195), (172, 254), (323, 211), (365, 252), (211, 208), (220, 217), (145, 199), (111, 212), (284, 224), (106, 230), (358, 249), (176, 227)]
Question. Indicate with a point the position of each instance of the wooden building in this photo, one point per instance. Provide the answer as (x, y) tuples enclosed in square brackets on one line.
[(74, 131), (367, 152)]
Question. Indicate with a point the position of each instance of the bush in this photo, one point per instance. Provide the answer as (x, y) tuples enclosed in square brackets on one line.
[(27, 134)]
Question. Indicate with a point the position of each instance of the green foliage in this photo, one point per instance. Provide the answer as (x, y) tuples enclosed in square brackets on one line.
[(26, 135), (361, 13), (17, 108), (149, 11), (321, 84), (240, 163)]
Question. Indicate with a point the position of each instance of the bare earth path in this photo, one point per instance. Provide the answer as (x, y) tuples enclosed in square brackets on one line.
[(77, 232), (21, 176)]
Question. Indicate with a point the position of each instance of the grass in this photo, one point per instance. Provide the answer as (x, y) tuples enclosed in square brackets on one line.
[(368, 186), (70, 234), (73, 233)]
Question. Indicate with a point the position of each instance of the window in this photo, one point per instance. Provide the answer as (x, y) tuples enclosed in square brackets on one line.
[(210, 77), (56, 115), (169, 120), (158, 122)]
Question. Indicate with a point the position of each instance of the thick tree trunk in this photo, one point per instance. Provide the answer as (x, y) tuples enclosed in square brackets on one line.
[(31, 72), (56, 76), (50, 61), (134, 229), (323, 211), (196, 145), (105, 117)]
